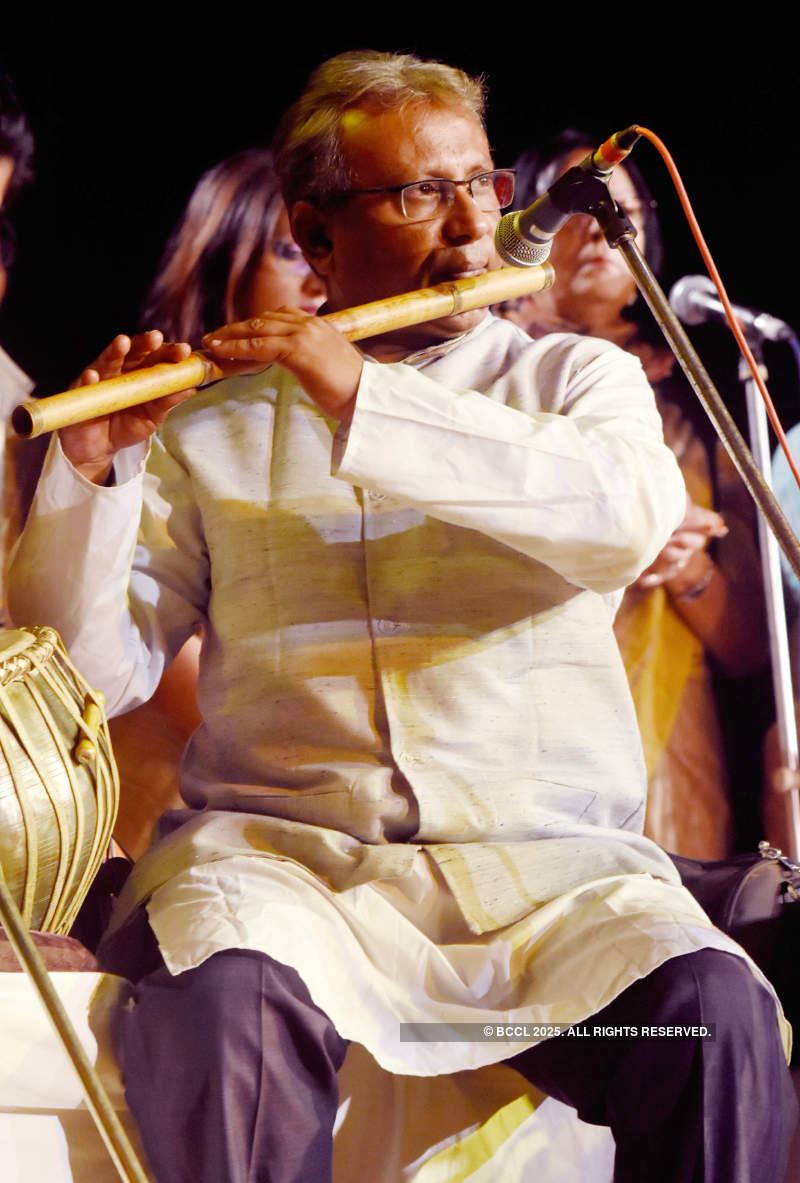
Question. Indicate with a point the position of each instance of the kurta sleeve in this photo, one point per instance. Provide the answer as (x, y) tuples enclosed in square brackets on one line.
[(112, 570), (570, 468)]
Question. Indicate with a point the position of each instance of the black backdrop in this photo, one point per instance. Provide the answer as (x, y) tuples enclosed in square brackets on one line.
[(126, 121)]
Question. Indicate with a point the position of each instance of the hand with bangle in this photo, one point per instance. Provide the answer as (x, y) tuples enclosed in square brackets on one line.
[(684, 567)]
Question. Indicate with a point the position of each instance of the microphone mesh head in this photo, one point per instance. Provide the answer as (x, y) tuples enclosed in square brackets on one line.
[(683, 298), (514, 248)]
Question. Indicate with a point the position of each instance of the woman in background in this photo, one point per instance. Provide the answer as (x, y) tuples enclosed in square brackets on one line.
[(16, 156), (230, 256), (701, 597)]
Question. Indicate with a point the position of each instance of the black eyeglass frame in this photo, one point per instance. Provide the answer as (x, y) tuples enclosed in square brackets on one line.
[(451, 185)]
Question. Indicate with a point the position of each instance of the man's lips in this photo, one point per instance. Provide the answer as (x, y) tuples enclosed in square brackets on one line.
[(452, 274)]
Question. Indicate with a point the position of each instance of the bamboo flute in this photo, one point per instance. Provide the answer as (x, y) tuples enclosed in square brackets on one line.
[(37, 416)]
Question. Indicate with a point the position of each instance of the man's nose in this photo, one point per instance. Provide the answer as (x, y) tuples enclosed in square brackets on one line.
[(465, 221)]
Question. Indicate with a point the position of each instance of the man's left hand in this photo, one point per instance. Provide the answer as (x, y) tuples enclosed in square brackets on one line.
[(324, 362)]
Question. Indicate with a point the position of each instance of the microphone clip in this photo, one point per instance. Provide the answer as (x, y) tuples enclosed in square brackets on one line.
[(523, 238), (582, 191)]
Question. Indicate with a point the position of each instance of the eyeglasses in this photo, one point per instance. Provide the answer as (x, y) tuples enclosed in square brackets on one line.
[(421, 201)]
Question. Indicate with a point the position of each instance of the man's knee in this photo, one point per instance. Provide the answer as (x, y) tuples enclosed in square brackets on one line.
[(239, 1041), (230, 979), (710, 989), (237, 995)]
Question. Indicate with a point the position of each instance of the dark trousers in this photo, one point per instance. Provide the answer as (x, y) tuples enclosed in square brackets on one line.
[(230, 1071), (681, 1109)]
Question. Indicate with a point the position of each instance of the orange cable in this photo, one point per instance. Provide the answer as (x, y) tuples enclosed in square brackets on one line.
[(711, 267)]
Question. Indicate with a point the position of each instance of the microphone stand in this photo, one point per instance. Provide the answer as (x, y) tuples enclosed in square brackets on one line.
[(590, 195), (785, 779)]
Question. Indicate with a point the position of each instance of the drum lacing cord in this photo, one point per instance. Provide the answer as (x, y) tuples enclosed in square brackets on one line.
[(85, 708), (48, 661)]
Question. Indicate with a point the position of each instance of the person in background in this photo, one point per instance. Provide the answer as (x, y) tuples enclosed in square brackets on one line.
[(16, 155), (697, 604), (230, 256)]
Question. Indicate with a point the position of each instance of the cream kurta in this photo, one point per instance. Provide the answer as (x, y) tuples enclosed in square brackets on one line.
[(409, 679)]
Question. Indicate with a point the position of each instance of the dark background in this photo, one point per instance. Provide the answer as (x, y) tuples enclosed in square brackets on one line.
[(126, 124)]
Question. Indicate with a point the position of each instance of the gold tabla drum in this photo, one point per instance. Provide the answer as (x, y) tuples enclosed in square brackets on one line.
[(59, 788)]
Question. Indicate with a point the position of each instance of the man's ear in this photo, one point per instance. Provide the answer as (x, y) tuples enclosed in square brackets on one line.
[(310, 230)]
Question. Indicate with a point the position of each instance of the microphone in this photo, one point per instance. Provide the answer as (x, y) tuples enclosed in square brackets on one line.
[(694, 300), (523, 238)]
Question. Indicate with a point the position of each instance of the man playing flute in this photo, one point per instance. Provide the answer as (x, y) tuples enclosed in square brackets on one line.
[(417, 793)]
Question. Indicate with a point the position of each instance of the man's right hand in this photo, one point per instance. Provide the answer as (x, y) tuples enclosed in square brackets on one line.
[(91, 446)]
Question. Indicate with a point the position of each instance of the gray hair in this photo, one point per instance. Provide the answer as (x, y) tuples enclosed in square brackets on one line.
[(308, 151)]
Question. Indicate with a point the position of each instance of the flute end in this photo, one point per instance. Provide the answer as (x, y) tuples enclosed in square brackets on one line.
[(22, 419)]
